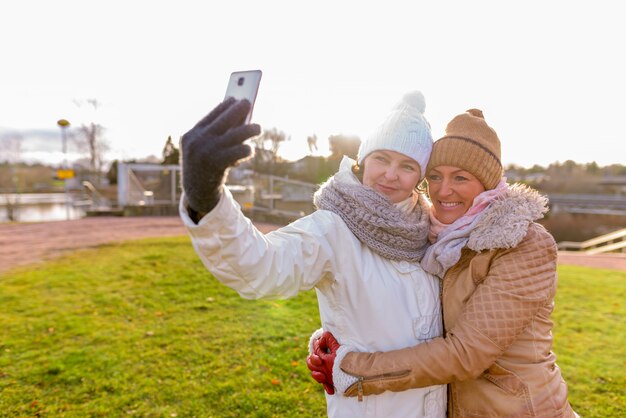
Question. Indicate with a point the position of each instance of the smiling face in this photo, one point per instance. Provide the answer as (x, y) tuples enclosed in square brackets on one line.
[(452, 191), (391, 174)]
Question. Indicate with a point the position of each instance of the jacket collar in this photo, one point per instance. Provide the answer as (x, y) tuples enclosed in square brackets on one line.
[(506, 221)]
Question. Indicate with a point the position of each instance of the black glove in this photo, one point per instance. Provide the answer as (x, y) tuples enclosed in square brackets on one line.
[(212, 146)]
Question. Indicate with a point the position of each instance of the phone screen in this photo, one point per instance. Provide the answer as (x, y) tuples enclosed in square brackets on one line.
[(244, 85)]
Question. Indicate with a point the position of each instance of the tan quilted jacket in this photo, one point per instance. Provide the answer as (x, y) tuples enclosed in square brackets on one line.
[(497, 302)]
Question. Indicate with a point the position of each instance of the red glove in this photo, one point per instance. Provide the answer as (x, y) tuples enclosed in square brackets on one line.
[(321, 361)]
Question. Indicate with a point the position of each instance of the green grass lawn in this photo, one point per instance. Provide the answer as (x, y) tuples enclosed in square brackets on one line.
[(141, 329), (590, 339)]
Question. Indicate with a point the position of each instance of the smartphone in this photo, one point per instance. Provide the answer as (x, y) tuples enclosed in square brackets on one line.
[(244, 85)]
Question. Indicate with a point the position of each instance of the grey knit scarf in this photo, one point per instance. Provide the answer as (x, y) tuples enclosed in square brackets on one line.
[(376, 222)]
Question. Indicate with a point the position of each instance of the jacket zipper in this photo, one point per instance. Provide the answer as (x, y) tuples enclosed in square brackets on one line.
[(361, 379), (360, 389)]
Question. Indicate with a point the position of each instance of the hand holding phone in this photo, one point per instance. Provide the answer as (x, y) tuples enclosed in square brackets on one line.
[(210, 148), (244, 85)]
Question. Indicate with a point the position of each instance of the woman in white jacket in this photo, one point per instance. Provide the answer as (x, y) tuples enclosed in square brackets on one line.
[(360, 250)]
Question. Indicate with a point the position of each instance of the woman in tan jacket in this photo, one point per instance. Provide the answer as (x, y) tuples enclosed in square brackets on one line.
[(498, 270)]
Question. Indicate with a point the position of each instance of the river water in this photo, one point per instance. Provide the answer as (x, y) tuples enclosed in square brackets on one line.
[(39, 207)]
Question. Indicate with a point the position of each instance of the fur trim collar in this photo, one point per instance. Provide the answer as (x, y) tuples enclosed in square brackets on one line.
[(506, 221)]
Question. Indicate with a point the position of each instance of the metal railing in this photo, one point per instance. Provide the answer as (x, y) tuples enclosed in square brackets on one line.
[(93, 198), (283, 197), (614, 241)]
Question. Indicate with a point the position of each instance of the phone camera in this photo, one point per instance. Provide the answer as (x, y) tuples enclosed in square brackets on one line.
[(240, 81)]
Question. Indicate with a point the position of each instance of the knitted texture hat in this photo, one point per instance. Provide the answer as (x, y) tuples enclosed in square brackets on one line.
[(405, 130), (470, 144)]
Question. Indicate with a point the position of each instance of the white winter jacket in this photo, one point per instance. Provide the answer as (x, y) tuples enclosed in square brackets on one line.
[(366, 301)]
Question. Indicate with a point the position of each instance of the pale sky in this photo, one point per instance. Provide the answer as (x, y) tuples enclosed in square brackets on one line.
[(548, 75)]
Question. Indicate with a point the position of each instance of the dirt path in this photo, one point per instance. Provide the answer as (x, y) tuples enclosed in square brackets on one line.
[(27, 243), (605, 261)]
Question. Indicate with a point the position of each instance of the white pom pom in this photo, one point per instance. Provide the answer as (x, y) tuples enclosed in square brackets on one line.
[(414, 99)]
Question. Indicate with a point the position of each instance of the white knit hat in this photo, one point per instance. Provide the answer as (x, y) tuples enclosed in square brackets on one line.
[(405, 130)]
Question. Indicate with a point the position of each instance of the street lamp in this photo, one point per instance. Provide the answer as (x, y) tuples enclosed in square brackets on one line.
[(63, 124), (65, 173)]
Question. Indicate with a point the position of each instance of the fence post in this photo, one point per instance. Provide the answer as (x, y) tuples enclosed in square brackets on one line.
[(122, 184)]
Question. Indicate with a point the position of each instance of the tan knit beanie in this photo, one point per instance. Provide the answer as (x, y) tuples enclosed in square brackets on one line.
[(472, 145)]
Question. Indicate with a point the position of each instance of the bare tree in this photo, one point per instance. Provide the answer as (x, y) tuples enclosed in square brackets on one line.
[(269, 141), (341, 145), (275, 138), (11, 144), (91, 134), (91, 140), (312, 142), (266, 149)]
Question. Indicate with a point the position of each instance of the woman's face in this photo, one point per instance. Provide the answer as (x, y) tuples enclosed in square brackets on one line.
[(391, 174), (452, 191)]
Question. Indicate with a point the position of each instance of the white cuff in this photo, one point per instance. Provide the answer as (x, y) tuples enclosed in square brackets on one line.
[(342, 380), (315, 336), (226, 210)]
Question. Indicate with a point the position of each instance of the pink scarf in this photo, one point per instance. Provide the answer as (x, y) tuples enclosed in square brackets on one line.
[(449, 239), (436, 226)]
